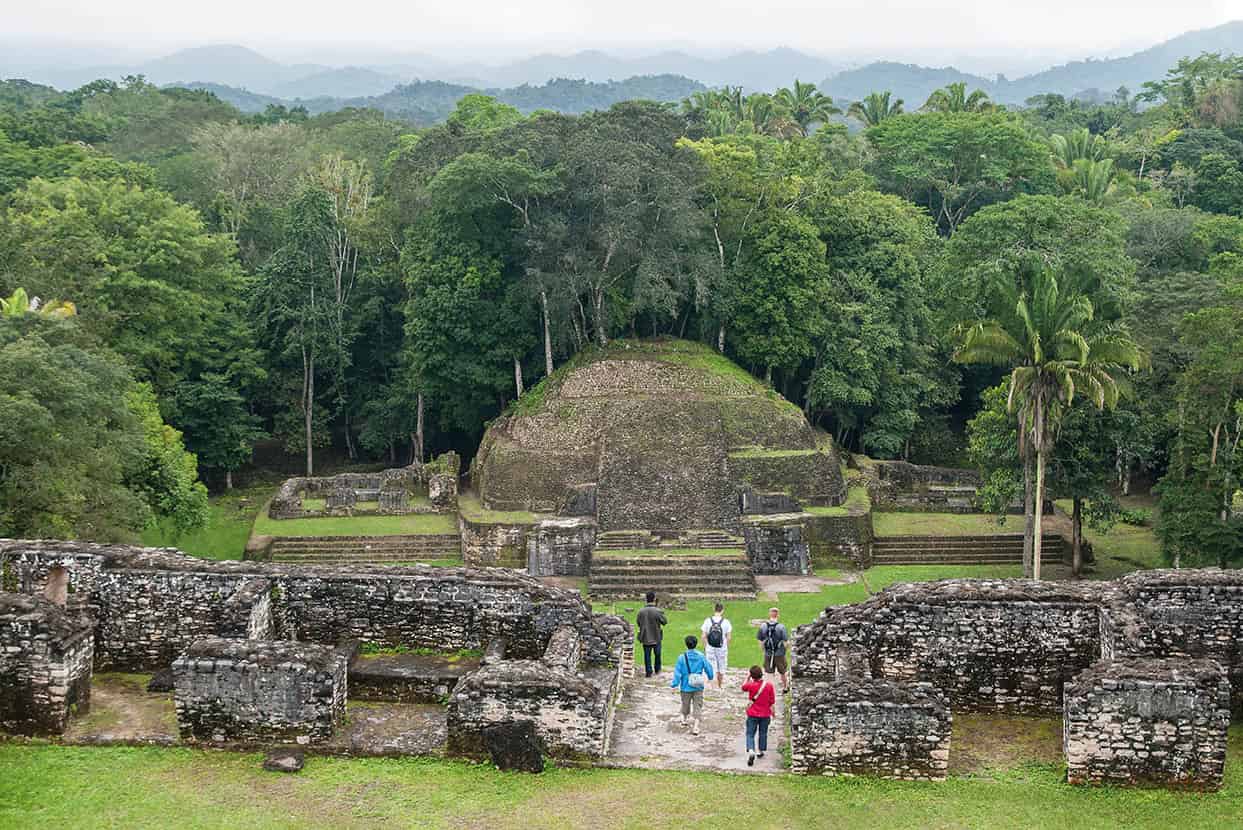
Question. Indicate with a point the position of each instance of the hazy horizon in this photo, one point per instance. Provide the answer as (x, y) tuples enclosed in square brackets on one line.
[(974, 35)]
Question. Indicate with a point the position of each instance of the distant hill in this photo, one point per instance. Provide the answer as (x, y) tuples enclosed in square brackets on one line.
[(427, 102), (1092, 78), (757, 71), (349, 82), (913, 84)]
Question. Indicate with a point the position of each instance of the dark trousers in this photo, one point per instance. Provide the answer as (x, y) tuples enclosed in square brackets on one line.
[(650, 654), (759, 725)]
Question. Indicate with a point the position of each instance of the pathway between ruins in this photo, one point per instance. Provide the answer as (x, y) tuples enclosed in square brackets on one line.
[(647, 730)]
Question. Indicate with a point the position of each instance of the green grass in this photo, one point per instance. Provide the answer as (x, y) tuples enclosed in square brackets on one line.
[(227, 529), (52, 786), (744, 651), (857, 501), (943, 524), (472, 509), (414, 524), (761, 452)]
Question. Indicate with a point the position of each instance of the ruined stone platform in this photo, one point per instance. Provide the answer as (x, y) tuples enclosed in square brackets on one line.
[(647, 730)]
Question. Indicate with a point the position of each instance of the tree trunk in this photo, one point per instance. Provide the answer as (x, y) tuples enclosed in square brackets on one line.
[(228, 479), (518, 377), (1037, 540), (597, 303), (350, 448), (768, 377), (418, 430), (1076, 538), (720, 338), (543, 297), (1029, 518), (308, 405)]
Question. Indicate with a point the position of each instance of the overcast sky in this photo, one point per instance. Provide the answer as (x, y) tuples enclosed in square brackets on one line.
[(501, 28)]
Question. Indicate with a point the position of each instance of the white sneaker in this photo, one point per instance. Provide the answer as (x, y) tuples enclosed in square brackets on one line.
[(684, 723), (695, 728)]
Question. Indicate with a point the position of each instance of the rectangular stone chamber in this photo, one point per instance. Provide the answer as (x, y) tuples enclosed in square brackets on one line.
[(46, 657), (857, 726), (230, 690), (1148, 722), (570, 703)]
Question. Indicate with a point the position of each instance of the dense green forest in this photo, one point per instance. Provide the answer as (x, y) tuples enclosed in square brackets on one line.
[(1053, 293)]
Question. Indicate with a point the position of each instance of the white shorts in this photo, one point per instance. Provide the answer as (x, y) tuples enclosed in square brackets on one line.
[(718, 658)]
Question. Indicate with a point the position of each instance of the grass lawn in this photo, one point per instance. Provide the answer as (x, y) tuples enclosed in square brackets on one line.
[(414, 524), (943, 524), (744, 651), (52, 786), (857, 501), (227, 529), (471, 508)]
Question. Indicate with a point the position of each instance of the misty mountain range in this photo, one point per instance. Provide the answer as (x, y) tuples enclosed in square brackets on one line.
[(251, 80)]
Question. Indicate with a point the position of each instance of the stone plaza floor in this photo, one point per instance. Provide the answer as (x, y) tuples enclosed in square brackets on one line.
[(647, 730)]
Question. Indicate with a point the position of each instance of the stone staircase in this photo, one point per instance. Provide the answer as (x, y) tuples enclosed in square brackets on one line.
[(358, 550), (626, 540), (723, 575), (646, 539), (1000, 549)]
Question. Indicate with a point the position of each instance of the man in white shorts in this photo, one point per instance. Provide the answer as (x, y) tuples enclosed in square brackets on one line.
[(717, 630)]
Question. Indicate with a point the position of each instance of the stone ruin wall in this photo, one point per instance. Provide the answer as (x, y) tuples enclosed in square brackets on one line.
[(869, 727), (438, 480), (1018, 646), (150, 605), (46, 656), (570, 704), (1147, 721), (249, 691)]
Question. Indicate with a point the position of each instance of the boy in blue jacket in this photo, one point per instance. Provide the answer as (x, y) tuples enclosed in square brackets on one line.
[(691, 673)]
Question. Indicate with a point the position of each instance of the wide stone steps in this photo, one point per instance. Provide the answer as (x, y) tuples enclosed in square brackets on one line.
[(960, 550), (326, 550), (723, 576), (625, 540), (643, 539)]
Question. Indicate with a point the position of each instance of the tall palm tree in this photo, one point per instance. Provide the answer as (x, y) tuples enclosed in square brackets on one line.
[(806, 104), (1080, 144), (1093, 179), (954, 98), (1056, 346), (19, 303), (875, 108), (769, 116)]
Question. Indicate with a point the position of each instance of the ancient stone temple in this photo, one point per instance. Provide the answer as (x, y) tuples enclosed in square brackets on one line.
[(667, 433)]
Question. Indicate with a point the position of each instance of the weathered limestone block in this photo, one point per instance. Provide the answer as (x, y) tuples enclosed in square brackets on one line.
[(248, 690), (494, 545), (561, 547), (247, 613), (341, 499), (776, 545), (45, 665), (1158, 722), (869, 727)]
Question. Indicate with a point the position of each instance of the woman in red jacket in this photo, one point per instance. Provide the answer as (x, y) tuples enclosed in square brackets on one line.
[(760, 712)]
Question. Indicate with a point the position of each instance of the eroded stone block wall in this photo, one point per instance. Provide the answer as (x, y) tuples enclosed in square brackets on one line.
[(1143, 721), (561, 547), (46, 658), (856, 726), (249, 690)]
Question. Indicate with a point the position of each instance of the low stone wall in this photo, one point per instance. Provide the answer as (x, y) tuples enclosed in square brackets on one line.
[(1183, 613), (437, 479), (151, 604), (834, 541), (571, 706), (248, 691), (407, 678), (45, 665), (869, 727), (561, 547), (494, 545), (987, 645), (1147, 722)]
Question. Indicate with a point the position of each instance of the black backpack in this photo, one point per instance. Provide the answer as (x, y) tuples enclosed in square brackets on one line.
[(716, 635)]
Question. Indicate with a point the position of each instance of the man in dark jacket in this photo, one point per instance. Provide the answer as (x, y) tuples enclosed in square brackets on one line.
[(651, 631)]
